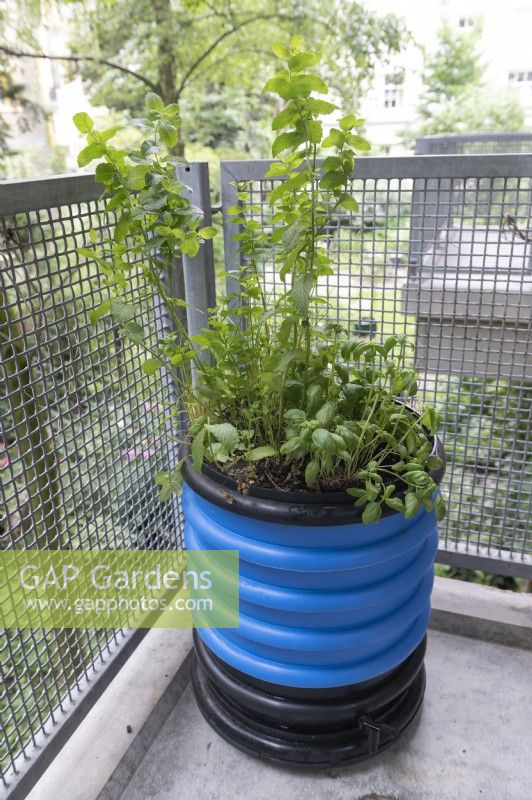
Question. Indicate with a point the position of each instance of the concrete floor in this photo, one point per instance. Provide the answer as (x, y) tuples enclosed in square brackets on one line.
[(473, 741)]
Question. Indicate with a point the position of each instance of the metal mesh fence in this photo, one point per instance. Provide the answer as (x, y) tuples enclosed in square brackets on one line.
[(474, 143), (82, 433), (425, 256)]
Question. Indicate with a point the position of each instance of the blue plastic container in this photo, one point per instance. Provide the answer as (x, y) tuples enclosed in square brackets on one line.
[(321, 604), (326, 666)]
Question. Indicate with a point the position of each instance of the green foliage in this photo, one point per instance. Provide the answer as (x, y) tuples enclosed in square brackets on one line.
[(271, 379), (487, 423), (13, 92), (209, 57), (451, 68), (478, 110), (484, 578), (153, 219), (221, 117), (454, 99)]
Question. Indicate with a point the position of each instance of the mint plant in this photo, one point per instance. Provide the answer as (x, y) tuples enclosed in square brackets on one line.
[(275, 394)]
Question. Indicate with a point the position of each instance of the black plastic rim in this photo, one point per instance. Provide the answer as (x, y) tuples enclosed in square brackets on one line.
[(309, 731), (295, 508), (307, 708)]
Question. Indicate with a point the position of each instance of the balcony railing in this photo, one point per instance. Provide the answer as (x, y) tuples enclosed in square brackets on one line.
[(469, 143), (82, 434)]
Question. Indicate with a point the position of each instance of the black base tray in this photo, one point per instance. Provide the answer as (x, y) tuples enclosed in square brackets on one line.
[(309, 728)]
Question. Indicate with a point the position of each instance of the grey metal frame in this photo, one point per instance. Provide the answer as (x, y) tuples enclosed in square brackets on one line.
[(200, 284), (424, 176), (28, 767), (229, 175), (56, 211), (390, 167), (59, 190), (432, 180), (468, 143)]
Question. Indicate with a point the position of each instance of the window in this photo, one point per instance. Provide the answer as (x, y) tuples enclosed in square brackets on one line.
[(393, 91), (466, 22), (392, 97), (523, 76)]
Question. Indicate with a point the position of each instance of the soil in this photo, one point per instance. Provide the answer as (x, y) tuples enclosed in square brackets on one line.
[(276, 473)]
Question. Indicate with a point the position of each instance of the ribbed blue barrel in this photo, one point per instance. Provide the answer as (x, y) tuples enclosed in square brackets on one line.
[(320, 605)]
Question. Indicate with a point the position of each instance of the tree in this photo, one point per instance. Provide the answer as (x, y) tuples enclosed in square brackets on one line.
[(181, 50), (12, 91), (455, 99), (222, 117), (478, 110), (454, 66)]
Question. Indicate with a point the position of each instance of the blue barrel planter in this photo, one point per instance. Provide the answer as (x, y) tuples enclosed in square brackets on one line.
[(326, 667)]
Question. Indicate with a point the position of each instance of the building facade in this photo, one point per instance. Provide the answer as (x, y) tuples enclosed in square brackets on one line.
[(390, 107)]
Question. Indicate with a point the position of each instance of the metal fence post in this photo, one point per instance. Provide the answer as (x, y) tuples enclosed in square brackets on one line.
[(422, 146), (233, 260), (200, 285)]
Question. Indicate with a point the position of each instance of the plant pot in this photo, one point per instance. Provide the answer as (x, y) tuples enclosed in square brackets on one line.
[(326, 667), (365, 327)]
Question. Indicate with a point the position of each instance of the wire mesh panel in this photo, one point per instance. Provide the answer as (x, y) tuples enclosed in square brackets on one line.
[(82, 434), (426, 256), (447, 144)]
